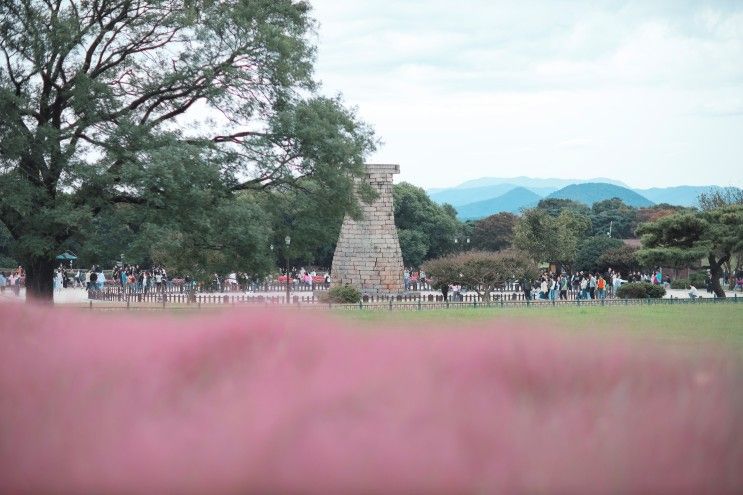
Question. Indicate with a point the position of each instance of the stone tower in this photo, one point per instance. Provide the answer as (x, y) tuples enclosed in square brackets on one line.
[(368, 254)]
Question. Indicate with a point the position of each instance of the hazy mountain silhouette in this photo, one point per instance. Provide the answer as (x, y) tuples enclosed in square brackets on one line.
[(512, 201), (592, 192)]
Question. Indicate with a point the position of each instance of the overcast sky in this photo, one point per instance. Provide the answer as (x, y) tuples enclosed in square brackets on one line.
[(647, 92)]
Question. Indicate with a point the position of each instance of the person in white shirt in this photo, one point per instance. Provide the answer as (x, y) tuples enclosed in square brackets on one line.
[(693, 292)]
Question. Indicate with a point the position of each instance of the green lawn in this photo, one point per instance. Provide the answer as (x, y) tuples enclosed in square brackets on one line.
[(688, 325)]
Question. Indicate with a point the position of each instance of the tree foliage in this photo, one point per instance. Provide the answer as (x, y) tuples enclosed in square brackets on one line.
[(495, 232), (481, 271), (551, 238), (615, 216), (721, 197), (554, 206), (622, 259), (144, 111), (684, 239), (656, 212), (590, 251), (426, 230)]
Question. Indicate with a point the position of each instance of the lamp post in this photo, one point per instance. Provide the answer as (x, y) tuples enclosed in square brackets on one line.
[(288, 241)]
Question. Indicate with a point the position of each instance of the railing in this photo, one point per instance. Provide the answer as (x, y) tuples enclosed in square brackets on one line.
[(498, 297), (400, 302)]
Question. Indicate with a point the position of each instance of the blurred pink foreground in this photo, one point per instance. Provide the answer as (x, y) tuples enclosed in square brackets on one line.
[(269, 403)]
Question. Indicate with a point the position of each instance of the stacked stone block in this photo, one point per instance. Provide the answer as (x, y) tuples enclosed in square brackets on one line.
[(368, 254)]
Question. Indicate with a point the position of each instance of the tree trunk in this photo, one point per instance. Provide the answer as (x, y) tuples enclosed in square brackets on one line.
[(715, 271), (39, 280)]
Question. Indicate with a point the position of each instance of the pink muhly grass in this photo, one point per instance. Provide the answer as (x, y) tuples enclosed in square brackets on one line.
[(266, 402)]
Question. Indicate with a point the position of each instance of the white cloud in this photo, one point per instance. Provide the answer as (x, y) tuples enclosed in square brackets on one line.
[(463, 89)]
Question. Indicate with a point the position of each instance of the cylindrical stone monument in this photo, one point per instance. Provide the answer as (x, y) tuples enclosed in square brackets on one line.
[(368, 254)]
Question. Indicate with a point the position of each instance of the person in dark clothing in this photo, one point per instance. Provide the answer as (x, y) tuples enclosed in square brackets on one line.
[(526, 288)]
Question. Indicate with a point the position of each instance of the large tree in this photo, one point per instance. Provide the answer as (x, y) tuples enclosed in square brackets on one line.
[(481, 271), (685, 239), (495, 232), (144, 110), (615, 217), (590, 250), (426, 230), (550, 238)]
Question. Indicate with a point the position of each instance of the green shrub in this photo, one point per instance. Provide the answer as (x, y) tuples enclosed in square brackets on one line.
[(641, 290), (680, 283), (698, 279), (344, 294)]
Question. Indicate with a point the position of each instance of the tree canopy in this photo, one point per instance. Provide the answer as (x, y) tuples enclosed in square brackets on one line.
[(147, 117), (426, 230), (613, 215), (481, 271), (495, 232), (551, 238), (590, 251), (684, 239)]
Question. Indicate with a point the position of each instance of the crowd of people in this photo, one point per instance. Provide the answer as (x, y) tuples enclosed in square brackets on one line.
[(549, 286), (587, 285), (12, 280), (142, 279)]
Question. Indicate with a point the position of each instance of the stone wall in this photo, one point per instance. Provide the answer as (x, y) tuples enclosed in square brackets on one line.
[(368, 254)]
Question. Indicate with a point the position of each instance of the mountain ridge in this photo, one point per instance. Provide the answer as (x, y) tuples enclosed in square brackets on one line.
[(590, 193), (512, 201)]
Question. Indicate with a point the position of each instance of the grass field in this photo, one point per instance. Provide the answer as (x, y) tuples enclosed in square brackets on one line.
[(683, 324)]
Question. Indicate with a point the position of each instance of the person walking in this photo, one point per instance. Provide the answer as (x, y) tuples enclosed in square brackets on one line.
[(564, 283), (592, 286), (601, 287)]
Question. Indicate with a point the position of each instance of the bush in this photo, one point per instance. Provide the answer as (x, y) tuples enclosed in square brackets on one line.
[(344, 294), (641, 290), (680, 283), (697, 279)]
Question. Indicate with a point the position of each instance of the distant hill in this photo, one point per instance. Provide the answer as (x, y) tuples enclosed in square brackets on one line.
[(679, 195), (459, 197), (511, 202), (530, 182), (493, 187), (590, 193)]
